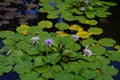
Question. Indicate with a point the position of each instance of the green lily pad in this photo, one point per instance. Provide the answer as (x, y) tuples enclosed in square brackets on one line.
[(42, 69), (62, 26), (88, 41), (53, 58), (74, 67), (56, 68), (113, 55), (107, 42), (63, 76), (38, 61), (92, 22), (89, 74), (95, 30), (45, 24), (90, 15), (97, 50), (29, 76)]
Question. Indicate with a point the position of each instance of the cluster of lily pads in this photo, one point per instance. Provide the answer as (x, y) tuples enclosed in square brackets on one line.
[(61, 51), (36, 54), (83, 11)]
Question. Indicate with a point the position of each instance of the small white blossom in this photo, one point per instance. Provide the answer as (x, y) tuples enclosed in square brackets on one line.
[(34, 39), (82, 8), (75, 37), (87, 52)]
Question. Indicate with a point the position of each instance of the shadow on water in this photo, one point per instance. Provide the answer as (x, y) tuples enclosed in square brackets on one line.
[(111, 26)]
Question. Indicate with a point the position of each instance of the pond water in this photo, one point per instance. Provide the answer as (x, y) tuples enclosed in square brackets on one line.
[(111, 27)]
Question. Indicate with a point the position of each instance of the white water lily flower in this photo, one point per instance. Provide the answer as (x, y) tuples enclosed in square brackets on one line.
[(82, 8), (75, 37), (87, 52), (34, 39)]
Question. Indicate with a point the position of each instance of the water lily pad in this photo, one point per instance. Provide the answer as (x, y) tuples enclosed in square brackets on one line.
[(91, 22), (24, 29), (95, 30), (89, 74), (83, 34), (97, 50), (90, 15), (42, 69), (29, 76), (88, 41), (38, 61), (107, 42), (53, 58), (113, 55), (63, 76), (45, 24), (62, 26)]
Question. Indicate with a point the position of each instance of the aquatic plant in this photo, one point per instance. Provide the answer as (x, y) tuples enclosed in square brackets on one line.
[(42, 55), (84, 11)]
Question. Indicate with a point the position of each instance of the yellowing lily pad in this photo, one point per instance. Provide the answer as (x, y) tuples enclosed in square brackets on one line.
[(45, 24), (95, 30), (75, 27), (24, 29), (61, 33), (91, 22), (83, 34)]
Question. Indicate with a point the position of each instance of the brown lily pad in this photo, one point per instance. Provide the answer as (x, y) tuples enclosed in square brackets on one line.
[(30, 16)]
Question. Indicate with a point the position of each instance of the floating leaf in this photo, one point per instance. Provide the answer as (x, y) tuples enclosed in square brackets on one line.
[(104, 77), (76, 27), (83, 34), (45, 24), (61, 33), (24, 29), (8, 42), (53, 58), (97, 50), (42, 69), (6, 34), (38, 61), (74, 67), (62, 26), (23, 67), (89, 41), (48, 74), (91, 22), (107, 42), (57, 68), (113, 55), (90, 14), (29, 76), (72, 46), (95, 30), (89, 74), (63, 76)]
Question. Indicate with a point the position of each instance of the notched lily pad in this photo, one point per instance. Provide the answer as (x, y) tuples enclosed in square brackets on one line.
[(62, 26), (45, 24), (95, 30), (107, 42)]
